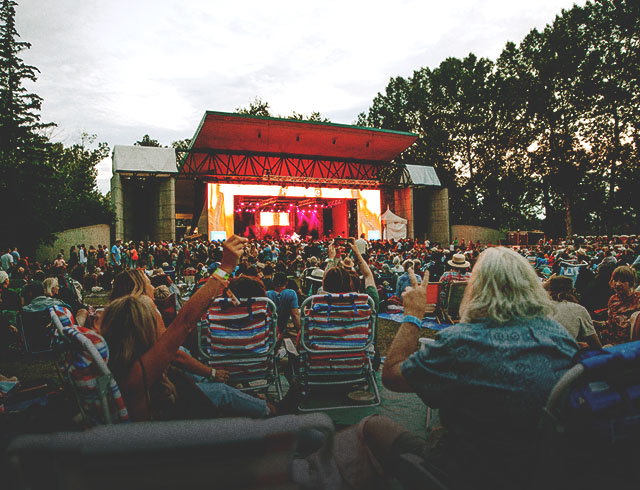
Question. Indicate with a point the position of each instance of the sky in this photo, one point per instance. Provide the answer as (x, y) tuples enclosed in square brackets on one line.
[(121, 69)]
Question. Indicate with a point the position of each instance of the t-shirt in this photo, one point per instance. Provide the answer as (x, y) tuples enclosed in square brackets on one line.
[(575, 318), (362, 245), (285, 301), (115, 253), (7, 261)]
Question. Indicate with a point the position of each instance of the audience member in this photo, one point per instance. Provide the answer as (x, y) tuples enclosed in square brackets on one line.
[(621, 305), (572, 316), (489, 375)]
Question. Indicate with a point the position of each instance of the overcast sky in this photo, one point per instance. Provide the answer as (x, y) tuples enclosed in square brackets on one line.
[(122, 69)]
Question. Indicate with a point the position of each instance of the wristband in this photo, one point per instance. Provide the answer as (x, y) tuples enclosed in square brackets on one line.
[(221, 274), (213, 374), (412, 319)]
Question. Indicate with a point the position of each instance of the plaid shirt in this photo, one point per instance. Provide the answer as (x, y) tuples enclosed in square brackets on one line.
[(617, 329)]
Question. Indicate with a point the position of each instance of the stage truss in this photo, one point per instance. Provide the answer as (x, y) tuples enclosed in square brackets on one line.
[(278, 169)]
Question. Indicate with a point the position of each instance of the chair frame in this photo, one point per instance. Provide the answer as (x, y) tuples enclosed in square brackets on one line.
[(103, 382), (445, 312), (21, 328), (369, 373), (231, 358)]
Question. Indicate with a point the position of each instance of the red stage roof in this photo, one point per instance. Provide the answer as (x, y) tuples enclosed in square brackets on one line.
[(268, 135), (241, 148)]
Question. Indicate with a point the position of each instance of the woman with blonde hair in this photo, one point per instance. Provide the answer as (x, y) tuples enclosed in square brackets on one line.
[(142, 350), (489, 375)]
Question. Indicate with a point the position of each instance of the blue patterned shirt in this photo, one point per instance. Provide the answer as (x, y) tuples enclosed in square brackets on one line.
[(485, 375)]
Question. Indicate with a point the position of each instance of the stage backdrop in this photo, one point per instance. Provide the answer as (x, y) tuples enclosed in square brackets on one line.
[(221, 202)]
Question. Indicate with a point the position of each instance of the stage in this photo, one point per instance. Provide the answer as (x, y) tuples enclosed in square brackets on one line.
[(275, 211)]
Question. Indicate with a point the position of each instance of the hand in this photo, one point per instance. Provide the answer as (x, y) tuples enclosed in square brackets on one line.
[(221, 376), (331, 251), (232, 250), (414, 298), (354, 247)]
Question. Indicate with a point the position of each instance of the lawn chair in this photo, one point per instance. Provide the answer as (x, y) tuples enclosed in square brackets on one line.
[(242, 338), (450, 313), (634, 326), (84, 368), (229, 454), (590, 427), (336, 339), (570, 269), (433, 295), (36, 330)]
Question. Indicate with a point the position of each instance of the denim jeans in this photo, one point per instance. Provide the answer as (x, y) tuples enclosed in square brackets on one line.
[(233, 402)]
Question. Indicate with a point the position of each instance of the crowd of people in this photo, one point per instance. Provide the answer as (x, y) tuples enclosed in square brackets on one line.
[(525, 314)]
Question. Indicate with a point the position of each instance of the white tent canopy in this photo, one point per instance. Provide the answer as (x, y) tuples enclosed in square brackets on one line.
[(395, 227)]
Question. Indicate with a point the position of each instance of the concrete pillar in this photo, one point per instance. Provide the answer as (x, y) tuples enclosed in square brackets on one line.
[(438, 217), (404, 207), (165, 204), (203, 222), (116, 200)]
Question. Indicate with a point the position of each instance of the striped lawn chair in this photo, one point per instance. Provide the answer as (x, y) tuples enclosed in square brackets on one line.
[(337, 334), (570, 269), (242, 338), (84, 367)]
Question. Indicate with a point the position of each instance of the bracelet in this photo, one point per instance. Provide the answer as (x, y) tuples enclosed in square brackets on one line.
[(412, 319), (218, 278), (221, 274), (213, 374)]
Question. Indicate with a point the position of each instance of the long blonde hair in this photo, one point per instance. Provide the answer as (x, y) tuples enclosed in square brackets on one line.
[(503, 287), (129, 328)]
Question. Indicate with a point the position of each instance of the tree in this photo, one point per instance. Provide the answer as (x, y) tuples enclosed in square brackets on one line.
[(181, 144), (76, 166), (147, 141), (44, 187), (19, 109), (256, 108), (314, 116)]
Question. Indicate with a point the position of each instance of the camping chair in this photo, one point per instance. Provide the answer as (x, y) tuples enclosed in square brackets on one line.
[(84, 368), (570, 269), (450, 313), (634, 329), (230, 453), (36, 330), (433, 294), (167, 308), (242, 338), (337, 335), (590, 426)]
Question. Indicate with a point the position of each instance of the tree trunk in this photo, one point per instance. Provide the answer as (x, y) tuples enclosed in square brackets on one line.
[(568, 209)]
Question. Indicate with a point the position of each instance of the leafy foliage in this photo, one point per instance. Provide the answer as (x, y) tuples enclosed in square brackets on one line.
[(44, 187), (546, 135), (148, 141)]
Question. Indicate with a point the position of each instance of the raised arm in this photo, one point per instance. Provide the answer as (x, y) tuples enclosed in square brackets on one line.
[(164, 351), (414, 299), (364, 267)]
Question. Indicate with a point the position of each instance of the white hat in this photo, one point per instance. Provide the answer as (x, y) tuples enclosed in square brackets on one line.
[(459, 261), (316, 275), (3, 277)]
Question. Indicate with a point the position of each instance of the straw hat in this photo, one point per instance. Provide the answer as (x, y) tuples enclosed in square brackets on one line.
[(316, 275), (459, 261)]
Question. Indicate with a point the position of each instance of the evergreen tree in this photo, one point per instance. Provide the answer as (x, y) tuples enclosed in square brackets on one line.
[(19, 109)]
